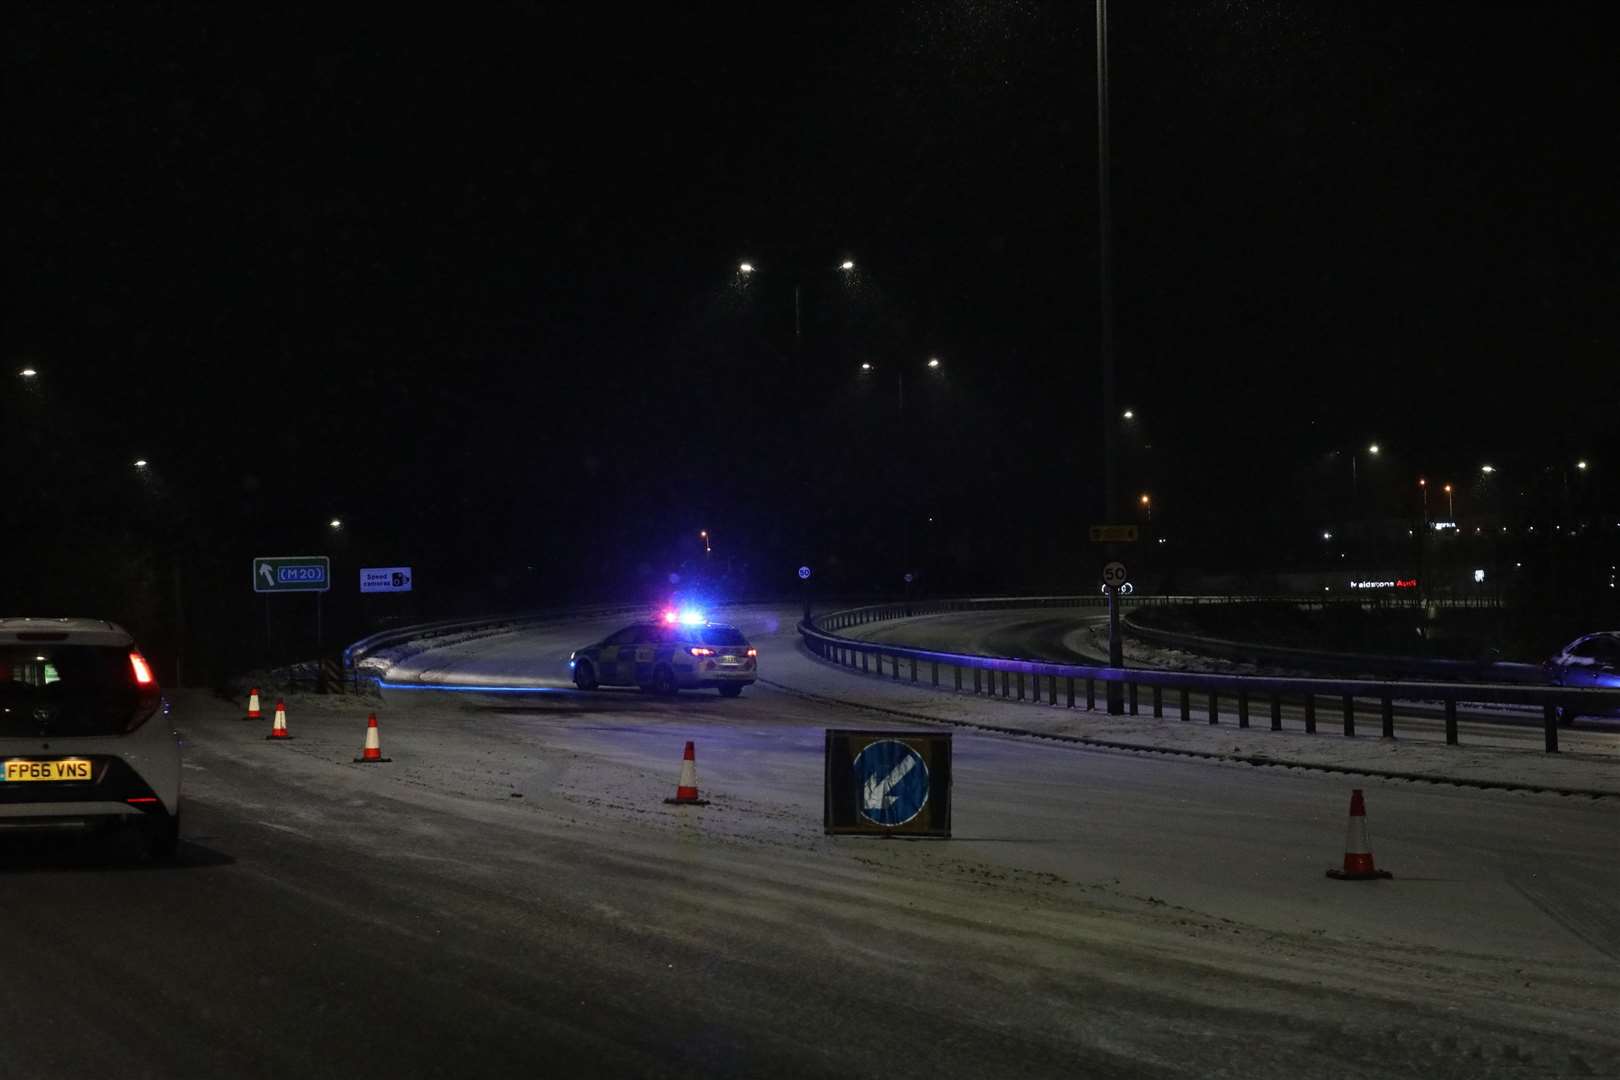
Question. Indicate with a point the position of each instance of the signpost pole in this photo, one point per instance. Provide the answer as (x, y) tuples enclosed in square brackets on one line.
[(320, 636)]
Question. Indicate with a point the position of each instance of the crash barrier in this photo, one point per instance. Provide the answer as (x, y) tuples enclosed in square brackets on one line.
[(428, 632), (1488, 670), (1076, 685), (903, 609)]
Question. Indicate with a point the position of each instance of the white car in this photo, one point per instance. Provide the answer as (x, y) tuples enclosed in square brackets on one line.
[(85, 738)]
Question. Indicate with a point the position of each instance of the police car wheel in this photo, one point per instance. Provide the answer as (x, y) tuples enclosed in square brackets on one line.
[(585, 675), (664, 681), (731, 691)]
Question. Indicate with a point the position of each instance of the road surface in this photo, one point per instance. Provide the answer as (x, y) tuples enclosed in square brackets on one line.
[(512, 894)]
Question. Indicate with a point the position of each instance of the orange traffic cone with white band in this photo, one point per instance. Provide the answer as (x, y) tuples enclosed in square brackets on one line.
[(253, 706), (1358, 857), (686, 792), (278, 726), (372, 754)]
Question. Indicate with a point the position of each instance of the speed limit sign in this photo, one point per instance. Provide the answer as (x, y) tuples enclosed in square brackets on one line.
[(1114, 574)]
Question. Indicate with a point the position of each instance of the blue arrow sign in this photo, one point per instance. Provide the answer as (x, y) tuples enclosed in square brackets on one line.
[(893, 782)]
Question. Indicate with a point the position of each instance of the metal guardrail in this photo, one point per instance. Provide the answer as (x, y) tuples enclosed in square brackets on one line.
[(428, 631), (1072, 683)]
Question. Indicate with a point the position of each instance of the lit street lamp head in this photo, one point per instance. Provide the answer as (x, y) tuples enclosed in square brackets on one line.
[(1129, 414), (335, 523), (1487, 469), (1373, 449), (745, 268), (866, 365), (1581, 465), (140, 463), (933, 362), (1146, 501), (28, 373), (847, 264)]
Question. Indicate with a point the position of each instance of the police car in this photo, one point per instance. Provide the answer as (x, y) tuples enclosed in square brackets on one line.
[(678, 651)]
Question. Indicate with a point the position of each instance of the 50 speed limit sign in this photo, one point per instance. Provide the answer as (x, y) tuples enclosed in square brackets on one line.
[(1114, 574)]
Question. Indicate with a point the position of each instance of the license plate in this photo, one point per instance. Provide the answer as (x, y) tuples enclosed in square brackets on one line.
[(730, 661), (48, 771)]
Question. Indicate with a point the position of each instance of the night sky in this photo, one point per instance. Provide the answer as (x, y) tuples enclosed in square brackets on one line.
[(470, 282)]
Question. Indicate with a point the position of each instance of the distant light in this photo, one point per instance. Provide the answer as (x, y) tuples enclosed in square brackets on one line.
[(847, 264), (1422, 482), (1146, 500), (1479, 577), (933, 362), (1130, 414), (335, 523), (1373, 449), (140, 463), (671, 617), (28, 373), (1448, 489), (1327, 536), (1487, 469), (746, 268), (1581, 465), (1408, 532), (692, 617), (865, 366)]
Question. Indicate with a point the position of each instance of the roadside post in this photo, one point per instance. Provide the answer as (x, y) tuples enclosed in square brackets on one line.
[(1110, 536), (804, 579), (887, 783)]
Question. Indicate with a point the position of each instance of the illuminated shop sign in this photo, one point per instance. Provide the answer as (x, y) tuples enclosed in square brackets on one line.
[(1397, 583)]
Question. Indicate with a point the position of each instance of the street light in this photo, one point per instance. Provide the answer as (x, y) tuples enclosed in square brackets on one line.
[(1147, 505), (847, 264), (745, 268), (1581, 465), (703, 534), (1451, 510), (28, 373), (335, 523), (933, 362), (1129, 414), (1327, 536), (1487, 469), (866, 365)]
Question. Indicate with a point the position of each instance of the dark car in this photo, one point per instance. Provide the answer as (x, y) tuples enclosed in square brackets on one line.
[(1591, 661), (668, 656)]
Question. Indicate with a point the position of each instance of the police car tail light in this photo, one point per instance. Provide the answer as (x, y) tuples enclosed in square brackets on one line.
[(753, 652), (143, 671), (699, 650)]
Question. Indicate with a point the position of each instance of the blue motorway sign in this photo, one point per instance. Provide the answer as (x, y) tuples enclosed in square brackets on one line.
[(292, 573), (888, 783), (893, 780)]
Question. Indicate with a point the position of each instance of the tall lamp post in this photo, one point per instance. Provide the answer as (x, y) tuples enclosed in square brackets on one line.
[(869, 370)]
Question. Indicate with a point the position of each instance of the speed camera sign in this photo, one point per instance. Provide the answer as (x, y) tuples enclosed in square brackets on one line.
[(1114, 574)]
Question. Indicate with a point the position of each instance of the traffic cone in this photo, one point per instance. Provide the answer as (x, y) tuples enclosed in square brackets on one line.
[(278, 726), (1358, 858), (253, 706), (686, 792), (372, 754)]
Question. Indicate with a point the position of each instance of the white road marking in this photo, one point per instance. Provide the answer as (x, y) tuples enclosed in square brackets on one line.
[(877, 795)]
